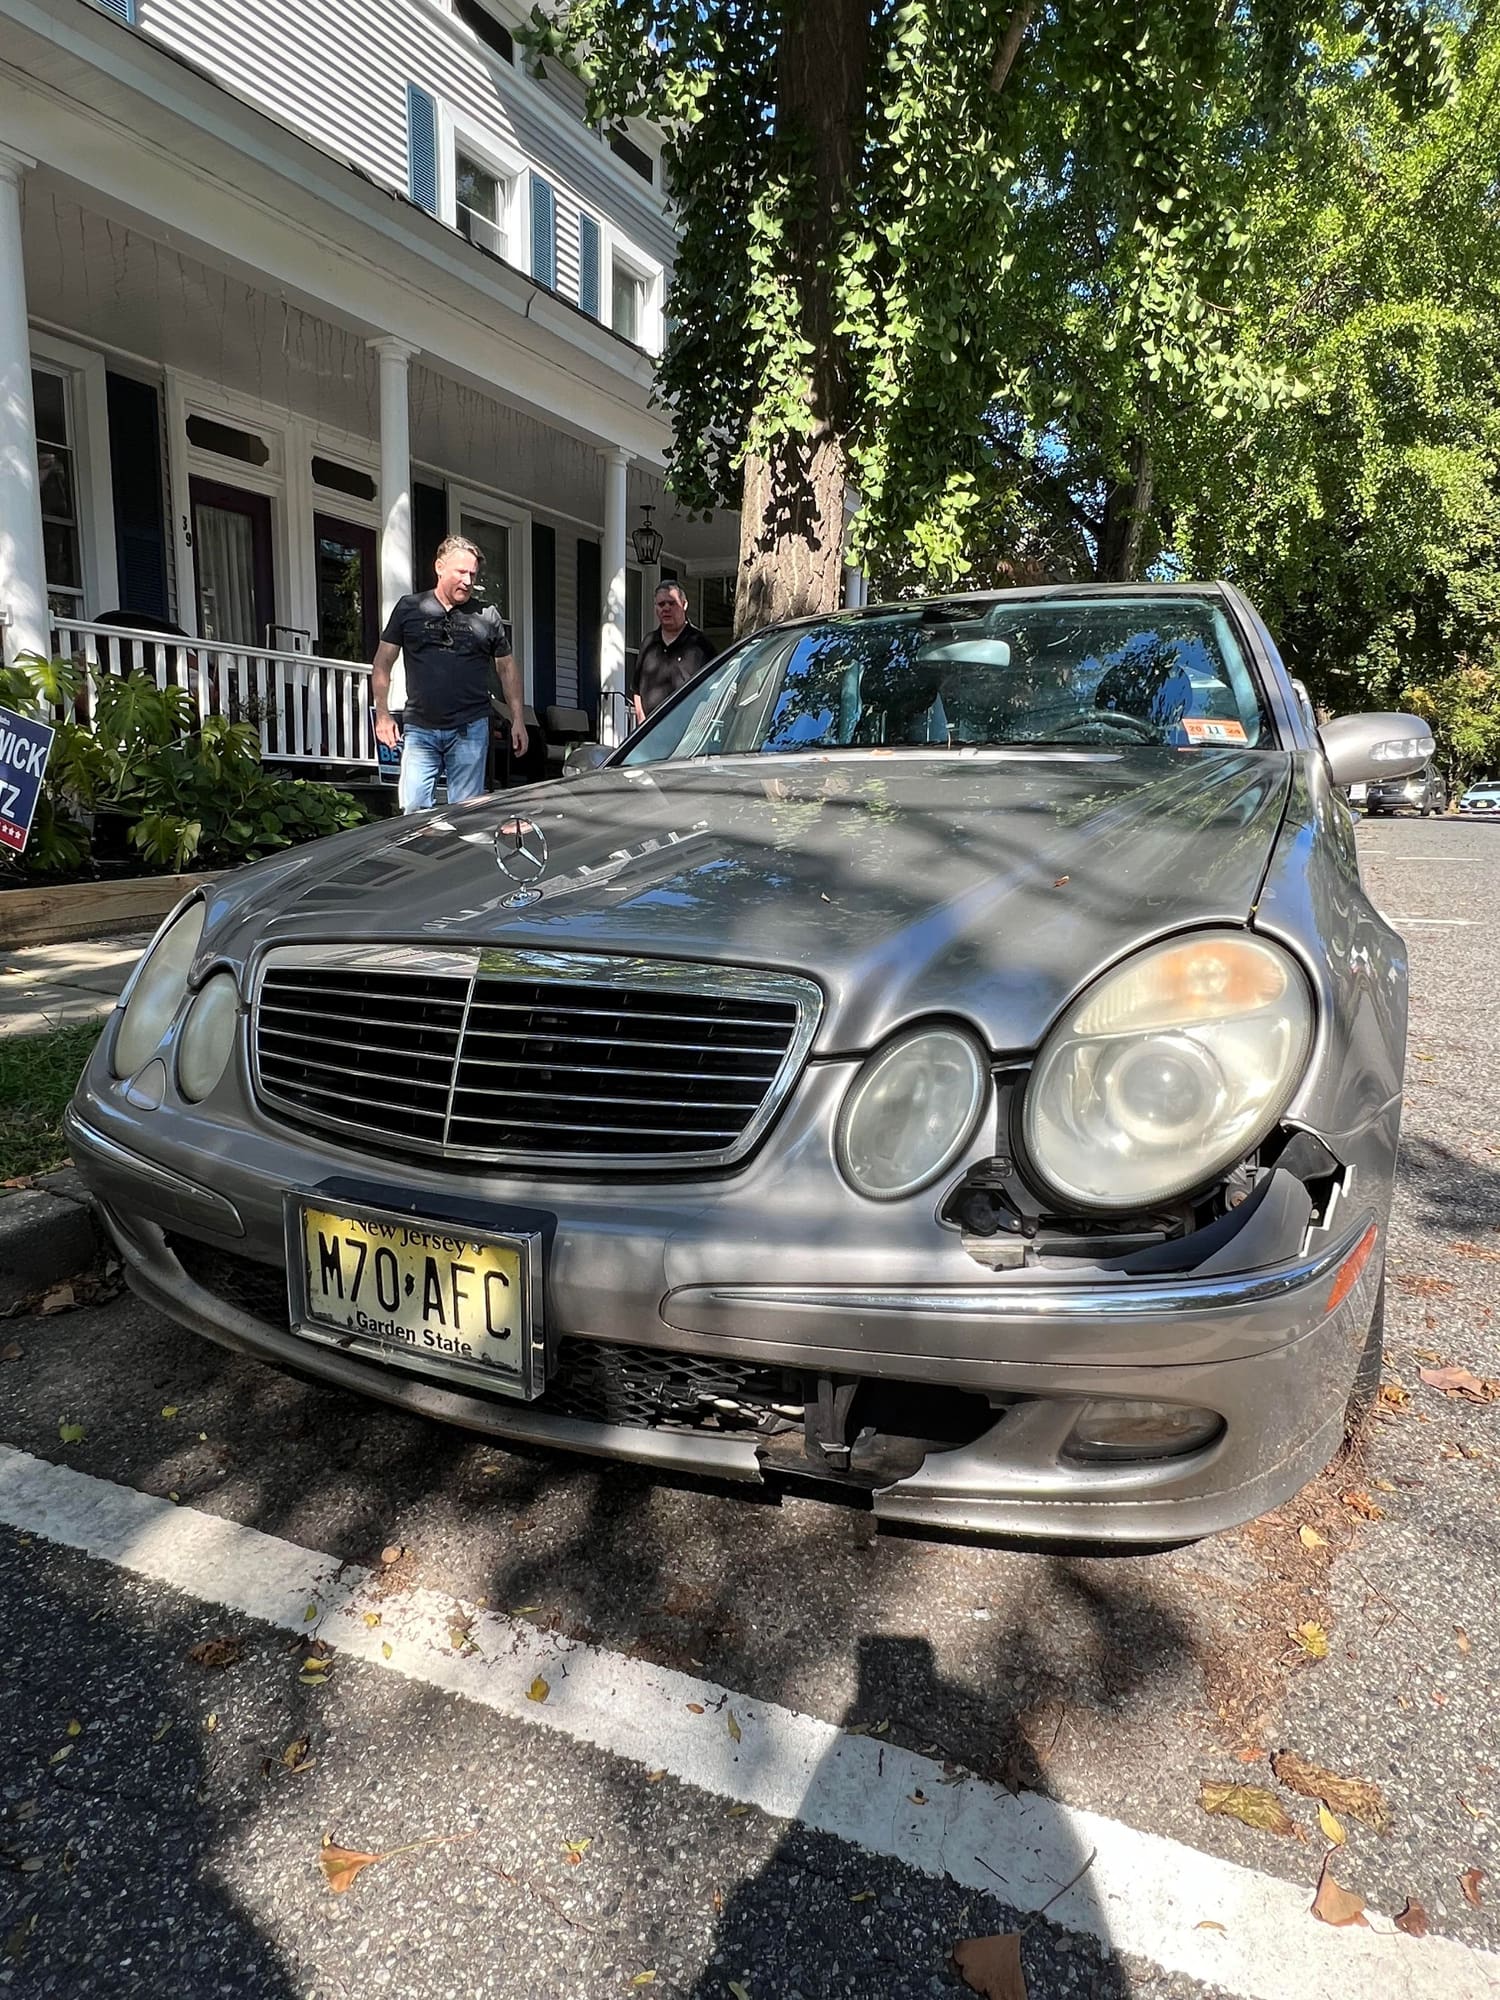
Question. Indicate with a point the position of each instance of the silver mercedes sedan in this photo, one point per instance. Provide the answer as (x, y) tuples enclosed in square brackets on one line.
[(946, 1057)]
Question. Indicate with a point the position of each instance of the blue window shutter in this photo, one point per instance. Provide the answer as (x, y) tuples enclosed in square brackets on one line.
[(543, 232), (123, 10), (588, 264), (421, 149)]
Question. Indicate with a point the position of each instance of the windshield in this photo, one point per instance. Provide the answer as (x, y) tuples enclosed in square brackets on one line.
[(959, 675)]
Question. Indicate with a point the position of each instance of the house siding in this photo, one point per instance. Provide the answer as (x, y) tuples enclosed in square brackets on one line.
[(298, 61)]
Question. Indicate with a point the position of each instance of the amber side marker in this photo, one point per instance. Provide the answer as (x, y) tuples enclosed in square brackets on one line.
[(1351, 1267)]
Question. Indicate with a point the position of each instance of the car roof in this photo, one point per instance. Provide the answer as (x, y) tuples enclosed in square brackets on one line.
[(1030, 593)]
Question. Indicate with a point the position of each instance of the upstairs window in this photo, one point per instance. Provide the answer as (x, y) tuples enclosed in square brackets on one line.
[(481, 204), (494, 34), (635, 157), (627, 308)]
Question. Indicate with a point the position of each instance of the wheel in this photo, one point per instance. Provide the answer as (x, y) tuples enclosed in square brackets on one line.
[(1367, 1375)]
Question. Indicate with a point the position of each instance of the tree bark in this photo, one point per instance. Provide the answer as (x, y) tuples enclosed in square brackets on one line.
[(792, 513), (1127, 520)]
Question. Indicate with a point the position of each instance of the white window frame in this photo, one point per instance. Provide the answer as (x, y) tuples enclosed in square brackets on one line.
[(505, 514), (458, 132), (83, 371), (617, 248), (285, 479)]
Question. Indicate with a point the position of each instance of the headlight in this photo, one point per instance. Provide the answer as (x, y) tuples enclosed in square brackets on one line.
[(1168, 1069), (909, 1112), (207, 1037), (157, 992)]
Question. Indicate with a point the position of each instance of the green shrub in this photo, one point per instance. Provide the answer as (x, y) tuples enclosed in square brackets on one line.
[(189, 793)]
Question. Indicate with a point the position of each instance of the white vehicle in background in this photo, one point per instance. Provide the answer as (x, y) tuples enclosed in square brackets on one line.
[(1483, 798)]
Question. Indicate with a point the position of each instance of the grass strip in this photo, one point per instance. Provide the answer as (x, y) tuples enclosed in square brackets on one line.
[(37, 1075)]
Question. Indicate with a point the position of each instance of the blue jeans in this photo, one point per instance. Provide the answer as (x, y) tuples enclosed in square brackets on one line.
[(458, 754)]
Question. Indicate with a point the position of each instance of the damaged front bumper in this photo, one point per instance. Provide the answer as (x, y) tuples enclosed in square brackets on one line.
[(1270, 1350)]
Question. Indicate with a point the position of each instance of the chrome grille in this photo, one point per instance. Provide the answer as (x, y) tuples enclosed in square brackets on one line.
[(542, 1058)]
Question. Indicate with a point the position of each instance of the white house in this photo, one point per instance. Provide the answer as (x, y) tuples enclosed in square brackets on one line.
[(289, 290)]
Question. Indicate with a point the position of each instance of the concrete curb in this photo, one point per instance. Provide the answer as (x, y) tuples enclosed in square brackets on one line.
[(48, 1234)]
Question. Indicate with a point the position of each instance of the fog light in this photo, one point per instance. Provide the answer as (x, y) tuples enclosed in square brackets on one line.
[(1117, 1428)]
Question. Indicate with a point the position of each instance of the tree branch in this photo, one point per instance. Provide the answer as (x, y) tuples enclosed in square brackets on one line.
[(1010, 46)]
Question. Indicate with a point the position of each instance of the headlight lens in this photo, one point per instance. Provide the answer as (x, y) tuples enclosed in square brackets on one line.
[(909, 1112), (1168, 1069), (157, 993), (203, 1047)]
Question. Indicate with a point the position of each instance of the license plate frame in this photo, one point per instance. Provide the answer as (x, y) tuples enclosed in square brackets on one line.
[(515, 1366)]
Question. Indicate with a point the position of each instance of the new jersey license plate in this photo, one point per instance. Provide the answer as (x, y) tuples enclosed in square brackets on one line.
[(435, 1296)]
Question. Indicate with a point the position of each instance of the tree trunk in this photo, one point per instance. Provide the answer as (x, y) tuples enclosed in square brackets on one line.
[(792, 518), (1127, 520)]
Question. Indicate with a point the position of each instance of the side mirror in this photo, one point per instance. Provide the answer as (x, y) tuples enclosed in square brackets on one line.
[(584, 757), (1362, 748)]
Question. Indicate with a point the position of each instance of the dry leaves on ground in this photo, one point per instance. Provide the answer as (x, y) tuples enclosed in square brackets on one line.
[(1461, 1383), (1394, 1399), (1361, 1504), (11, 1351), (296, 1759), (221, 1652), (1334, 1904), (340, 1865), (1412, 1919), (1353, 1797), (1313, 1639), (991, 1966), (539, 1690), (1251, 1805), (1469, 1882)]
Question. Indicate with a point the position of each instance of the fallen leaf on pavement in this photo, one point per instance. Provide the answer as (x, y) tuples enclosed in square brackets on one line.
[(1331, 1827), (1412, 1919), (734, 1727), (1469, 1882), (576, 1849), (1310, 1538), (1251, 1805), (1351, 1796), (391, 1553), (386, 1649), (644, 1979), (1363, 1505), (58, 1300), (295, 1755), (1461, 1382), (1335, 1905), (655, 1777), (310, 1614), (170, 1410), (1208, 1924), (992, 1966), (11, 1351), (1250, 1754), (221, 1652), (740, 1992), (539, 1690), (1313, 1640), (71, 1433), (695, 1708), (1394, 1398), (1462, 1637), (340, 1865)]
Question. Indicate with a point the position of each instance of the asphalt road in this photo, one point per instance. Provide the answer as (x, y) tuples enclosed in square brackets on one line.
[(170, 1841)]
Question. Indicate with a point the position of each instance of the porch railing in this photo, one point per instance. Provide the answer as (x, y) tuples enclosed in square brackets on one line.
[(308, 710)]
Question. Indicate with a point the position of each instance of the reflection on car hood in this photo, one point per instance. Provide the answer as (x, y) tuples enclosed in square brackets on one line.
[(988, 887)]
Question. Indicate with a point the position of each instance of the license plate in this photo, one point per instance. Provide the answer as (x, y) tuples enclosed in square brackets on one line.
[(418, 1293)]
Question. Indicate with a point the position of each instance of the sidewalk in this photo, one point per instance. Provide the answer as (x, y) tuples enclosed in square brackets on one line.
[(44, 986)]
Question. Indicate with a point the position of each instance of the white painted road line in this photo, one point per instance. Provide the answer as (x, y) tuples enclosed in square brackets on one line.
[(1142, 1894)]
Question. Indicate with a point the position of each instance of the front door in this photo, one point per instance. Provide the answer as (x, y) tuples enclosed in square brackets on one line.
[(233, 563), (348, 589)]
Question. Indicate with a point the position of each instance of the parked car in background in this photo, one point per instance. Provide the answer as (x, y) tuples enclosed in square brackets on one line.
[(946, 1055), (1425, 792), (1482, 799)]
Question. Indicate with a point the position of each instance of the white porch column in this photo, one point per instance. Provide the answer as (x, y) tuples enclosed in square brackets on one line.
[(395, 470), (23, 560), (615, 719)]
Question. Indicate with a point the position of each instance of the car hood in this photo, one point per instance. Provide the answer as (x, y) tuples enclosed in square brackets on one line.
[(985, 886)]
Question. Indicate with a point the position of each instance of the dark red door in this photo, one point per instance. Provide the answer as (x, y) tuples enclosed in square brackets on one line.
[(233, 564)]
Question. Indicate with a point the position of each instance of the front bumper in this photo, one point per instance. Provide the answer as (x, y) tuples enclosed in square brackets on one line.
[(671, 1271)]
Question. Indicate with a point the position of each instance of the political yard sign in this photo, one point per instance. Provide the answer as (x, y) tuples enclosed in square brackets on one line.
[(24, 749)]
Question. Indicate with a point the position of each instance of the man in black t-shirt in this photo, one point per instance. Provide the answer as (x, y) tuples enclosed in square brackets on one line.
[(453, 652), (668, 660)]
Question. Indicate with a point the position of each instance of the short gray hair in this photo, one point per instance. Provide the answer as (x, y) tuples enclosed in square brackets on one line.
[(669, 583), (453, 545)]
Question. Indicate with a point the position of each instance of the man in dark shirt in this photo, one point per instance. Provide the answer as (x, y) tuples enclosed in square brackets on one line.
[(452, 655), (671, 656)]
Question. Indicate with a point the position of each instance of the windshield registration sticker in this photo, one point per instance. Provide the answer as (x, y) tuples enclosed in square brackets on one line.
[(1212, 729)]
